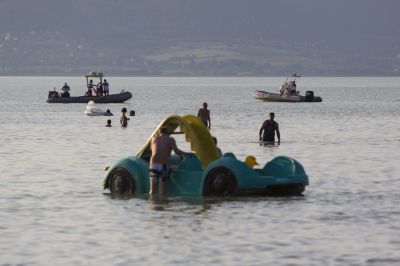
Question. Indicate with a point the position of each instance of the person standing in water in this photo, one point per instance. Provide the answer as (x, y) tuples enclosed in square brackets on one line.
[(123, 118), (219, 151), (268, 129), (204, 115), (161, 146)]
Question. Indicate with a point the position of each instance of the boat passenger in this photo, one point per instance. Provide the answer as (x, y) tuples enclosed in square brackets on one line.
[(106, 88), (90, 88), (90, 85), (65, 89), (89, 93), (99, 89), (292, 88), (268, 128), (108, 113), (282, 89), (123, 118), (108, 123), (161, 146), (204, 115)]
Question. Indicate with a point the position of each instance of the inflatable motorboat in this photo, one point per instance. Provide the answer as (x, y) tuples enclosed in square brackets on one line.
[(277, 97), (97, 97), (287, 93), (54, 97)]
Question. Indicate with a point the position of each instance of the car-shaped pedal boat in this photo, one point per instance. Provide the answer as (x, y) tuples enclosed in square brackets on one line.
[(203, 173)]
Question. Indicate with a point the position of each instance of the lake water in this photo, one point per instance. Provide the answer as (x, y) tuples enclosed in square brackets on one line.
[(53, 209)]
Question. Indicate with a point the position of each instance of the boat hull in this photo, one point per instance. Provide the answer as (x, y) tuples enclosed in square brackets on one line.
[(113, 98), (276, 97)]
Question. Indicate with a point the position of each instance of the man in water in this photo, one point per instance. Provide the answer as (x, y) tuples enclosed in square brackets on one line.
[(161, 147), (65, 89), (204, 115), (268, 129)]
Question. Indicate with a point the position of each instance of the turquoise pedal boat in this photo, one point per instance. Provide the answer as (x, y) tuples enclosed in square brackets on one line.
[(203, 173)]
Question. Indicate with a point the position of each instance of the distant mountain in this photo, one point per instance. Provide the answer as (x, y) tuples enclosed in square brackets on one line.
[(200, 37)]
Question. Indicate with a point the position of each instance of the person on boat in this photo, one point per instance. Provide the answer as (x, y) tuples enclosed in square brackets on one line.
[(108, 123), (204, 115), (161, 146), (99, 89), (282, 89), (219, 151), (108, 113), (292, 87), (65, 89), (123, 118), (106, 88), (91, 85), (268, 129), (89, 93), (90, 88)]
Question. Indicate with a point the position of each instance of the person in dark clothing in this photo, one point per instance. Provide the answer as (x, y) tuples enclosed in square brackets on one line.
[(65, 90), (268, 128), (204, 116)]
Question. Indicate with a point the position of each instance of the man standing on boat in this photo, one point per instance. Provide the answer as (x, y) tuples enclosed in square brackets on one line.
[(268, 128), (161, 147), (65, 89), (204, 115), (106, 88)]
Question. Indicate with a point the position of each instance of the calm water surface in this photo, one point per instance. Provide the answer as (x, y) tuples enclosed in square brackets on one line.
[(53, 209)]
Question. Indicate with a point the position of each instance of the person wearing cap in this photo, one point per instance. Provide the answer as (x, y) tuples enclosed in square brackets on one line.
[(161, 146), (268, 129)]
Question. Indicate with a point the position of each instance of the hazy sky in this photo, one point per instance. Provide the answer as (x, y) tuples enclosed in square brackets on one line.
[(361, 27)]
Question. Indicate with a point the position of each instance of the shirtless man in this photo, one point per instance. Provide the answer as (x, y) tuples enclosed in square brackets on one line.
[(204, 115), (161, 147)]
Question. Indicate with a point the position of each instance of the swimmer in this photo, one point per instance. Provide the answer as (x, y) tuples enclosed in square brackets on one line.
[(108, 113)]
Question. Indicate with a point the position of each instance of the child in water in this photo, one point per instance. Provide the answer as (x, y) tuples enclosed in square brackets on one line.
[(108, 123), (108, 113), (123, 119)]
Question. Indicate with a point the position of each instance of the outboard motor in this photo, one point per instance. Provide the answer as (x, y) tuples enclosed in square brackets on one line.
[(309, 96), (53, 94)]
